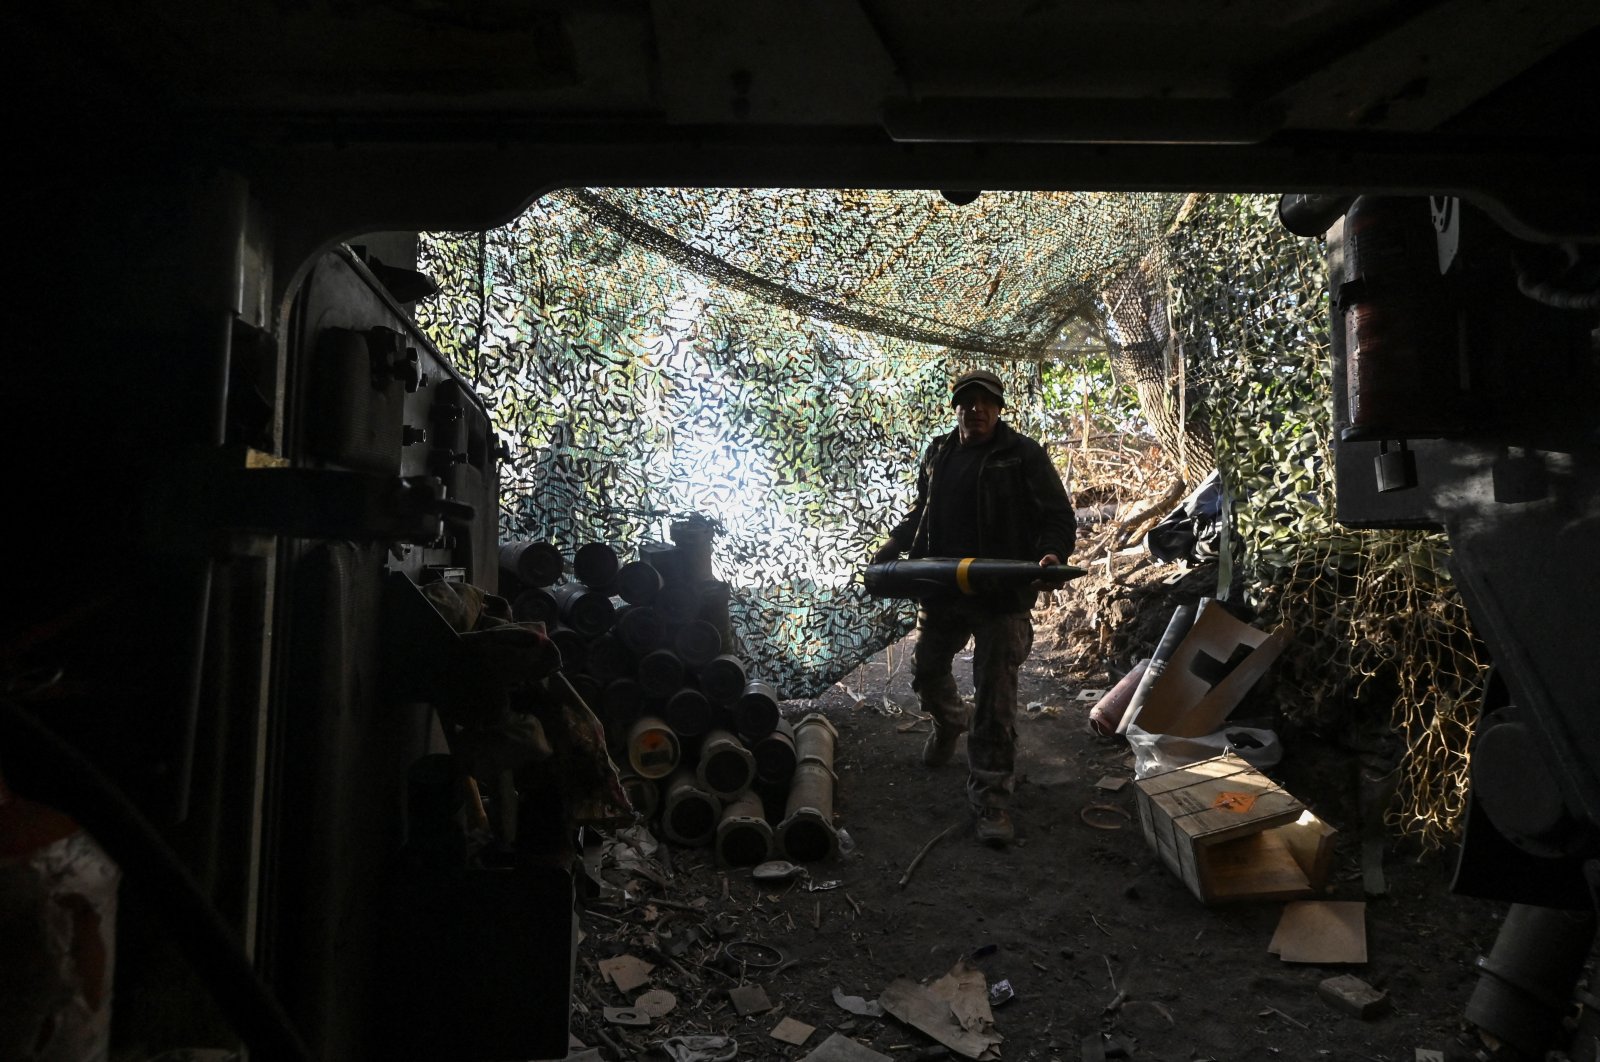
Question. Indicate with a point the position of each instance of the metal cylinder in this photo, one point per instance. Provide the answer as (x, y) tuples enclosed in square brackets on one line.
[(573, 647), (660, 673), (587, 689), (1402, 356), (726, 766), (689, 713), (744, 837), (775, 754), (693, 539), (537, 605), (678, 602), (723, 679), (643, 793), (714, 598), (530, 563), (1311, 215), (814, 740), (1107, 712), (596, 564), (1526, 982), (689, 814), (698, 643), (621, 702), (1177, 629), (653, 748), (585, 609), (969, 576), (756, 711), (642, 627), (609, 659), (663, 557), (638, 582), (806, 834)]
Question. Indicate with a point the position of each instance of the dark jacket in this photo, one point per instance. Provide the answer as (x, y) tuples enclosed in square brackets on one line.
[(1023, 509)]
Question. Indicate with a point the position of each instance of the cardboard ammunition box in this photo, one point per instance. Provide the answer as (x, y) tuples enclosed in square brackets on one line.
[(1231, 833)]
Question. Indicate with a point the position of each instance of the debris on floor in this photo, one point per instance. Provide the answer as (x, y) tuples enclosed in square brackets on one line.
[(1353, 996), (1321, 932)]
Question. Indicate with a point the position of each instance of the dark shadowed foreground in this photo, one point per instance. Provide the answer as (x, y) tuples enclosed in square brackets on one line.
[(1103, 947)]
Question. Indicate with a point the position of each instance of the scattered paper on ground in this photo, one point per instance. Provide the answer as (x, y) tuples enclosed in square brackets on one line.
[(749, 999), (792, 1031), (967, 992), (856, 1005), (656, 1002), (840, 1048), (627, 972), (954, 1011), (1320, 931)]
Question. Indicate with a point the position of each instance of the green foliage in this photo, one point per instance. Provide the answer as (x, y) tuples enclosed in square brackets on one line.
[(1379, 634)]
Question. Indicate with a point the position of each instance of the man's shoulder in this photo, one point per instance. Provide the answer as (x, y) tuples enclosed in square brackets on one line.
[(1006, 435)]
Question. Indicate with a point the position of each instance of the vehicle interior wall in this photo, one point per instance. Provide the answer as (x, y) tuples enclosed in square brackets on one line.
[(203, 640)]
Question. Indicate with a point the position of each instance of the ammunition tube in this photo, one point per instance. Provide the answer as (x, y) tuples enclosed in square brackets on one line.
[(642, 628), (814, 740), (587, 689), (660, 673), (596, 565), (726, 767), (688, 712), (698, 643), (775, 754), (536, 605), (723, 679), (689, 814), (585, 609), (638, 582), (744, 837), (653, 748), (693, 539), (756, 710), (530, 563), (609, 659), (573, 647), (714, 597), (643, 793), (679, 602), (806, 834)]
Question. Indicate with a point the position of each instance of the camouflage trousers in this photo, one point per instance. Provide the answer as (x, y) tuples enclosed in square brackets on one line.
[(1001, 642)]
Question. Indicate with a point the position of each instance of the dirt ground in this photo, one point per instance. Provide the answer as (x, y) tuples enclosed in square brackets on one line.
[(1105, 950)]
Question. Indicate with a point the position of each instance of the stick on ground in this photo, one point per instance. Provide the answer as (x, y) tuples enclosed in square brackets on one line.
[(925, 849)]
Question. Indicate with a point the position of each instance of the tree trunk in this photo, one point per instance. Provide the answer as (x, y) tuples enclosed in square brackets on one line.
[(1139, 338)]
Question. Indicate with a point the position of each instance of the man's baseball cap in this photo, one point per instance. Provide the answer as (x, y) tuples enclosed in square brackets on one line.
[(978, 378)]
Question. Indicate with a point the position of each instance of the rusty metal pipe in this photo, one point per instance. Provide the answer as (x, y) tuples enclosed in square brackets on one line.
[(744, 836), (689, 814)]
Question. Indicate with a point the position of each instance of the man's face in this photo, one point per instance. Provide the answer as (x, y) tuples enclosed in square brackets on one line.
[(977, 412)]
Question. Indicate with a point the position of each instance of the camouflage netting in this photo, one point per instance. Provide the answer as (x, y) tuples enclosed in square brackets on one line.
[(774, 360), (1380, 635)]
